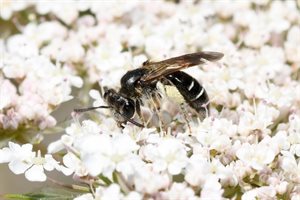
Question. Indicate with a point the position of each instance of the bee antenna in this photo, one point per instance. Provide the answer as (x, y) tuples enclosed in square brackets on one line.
[(89, 108)]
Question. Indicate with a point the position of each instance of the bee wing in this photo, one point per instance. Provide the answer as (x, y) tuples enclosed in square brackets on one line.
[(169, 66)]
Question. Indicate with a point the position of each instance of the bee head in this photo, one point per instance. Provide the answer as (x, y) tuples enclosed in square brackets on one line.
[(108, 92)]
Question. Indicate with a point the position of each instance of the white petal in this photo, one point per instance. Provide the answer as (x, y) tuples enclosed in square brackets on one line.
[(250, 195), (133, 196), (113, 192), (94, 94), (27, 147), (122, 149), (36, 173), (55, 146), (14, 146), (18, 166), (66, 171), (50, 164), (71, 161), (85, 197), (95, 164), (159, 165), (5, 155), (77, 81), (174, 168)]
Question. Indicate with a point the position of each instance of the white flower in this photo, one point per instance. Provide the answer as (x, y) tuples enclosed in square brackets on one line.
[(45, 32), (65, 11), (294, 128), (290, 167), (263, 116), (8, 7), (50, 78), (98, 100), (241, 169), (256, 37), (215, 133), (21, 45), (199, 170), (179, 191), (59, 49), (157, 46), (8, 93), (39, 164), (112, 63), (212, 189), (17, 156), (133, 196), (22, 159), (13, 66), (87, 32), (281, 141), (219, 81), (282, 97), (74, 164), (276, 20), (253, 131), (244, 18), (147, 181), (113, 192), (102, 154), (292, 49), (11, 119), (260, 2), (108, 10), (74, 133), (88, 196), (169, 154), (257, 156), (226, 8), (135, 36), (214, 39), (264, 192)]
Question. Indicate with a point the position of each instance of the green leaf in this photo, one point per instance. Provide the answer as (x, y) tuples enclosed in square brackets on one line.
[(16, 196), (48, 193), (105, 180)]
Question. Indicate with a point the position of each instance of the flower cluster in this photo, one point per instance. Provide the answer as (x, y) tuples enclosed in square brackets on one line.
[(249, 146), (22, 159), (31, 85)]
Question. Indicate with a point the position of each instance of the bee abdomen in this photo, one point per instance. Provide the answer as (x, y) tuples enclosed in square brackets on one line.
[(191, 90)]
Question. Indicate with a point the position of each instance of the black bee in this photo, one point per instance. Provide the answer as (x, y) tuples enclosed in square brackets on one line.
[(142, 82)]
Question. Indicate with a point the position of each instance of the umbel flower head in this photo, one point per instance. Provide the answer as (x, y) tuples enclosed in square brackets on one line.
[(22, 159), (58, 51)]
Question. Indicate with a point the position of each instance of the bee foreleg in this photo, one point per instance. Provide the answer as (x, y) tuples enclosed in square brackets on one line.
[(138, 108), (186, 116), (156, 106), (125, 119)]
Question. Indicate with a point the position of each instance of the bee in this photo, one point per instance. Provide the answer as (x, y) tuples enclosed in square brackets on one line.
[(142, 82)]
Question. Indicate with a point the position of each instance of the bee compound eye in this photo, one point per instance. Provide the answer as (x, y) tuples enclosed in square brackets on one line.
[(128, 109)]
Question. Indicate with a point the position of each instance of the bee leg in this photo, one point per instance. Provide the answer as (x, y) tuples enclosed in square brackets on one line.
[(156, 106), (126, 119), (156, 100), (120, 125), (138, 108), (185, 116), (204, 111), (135, 123)]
